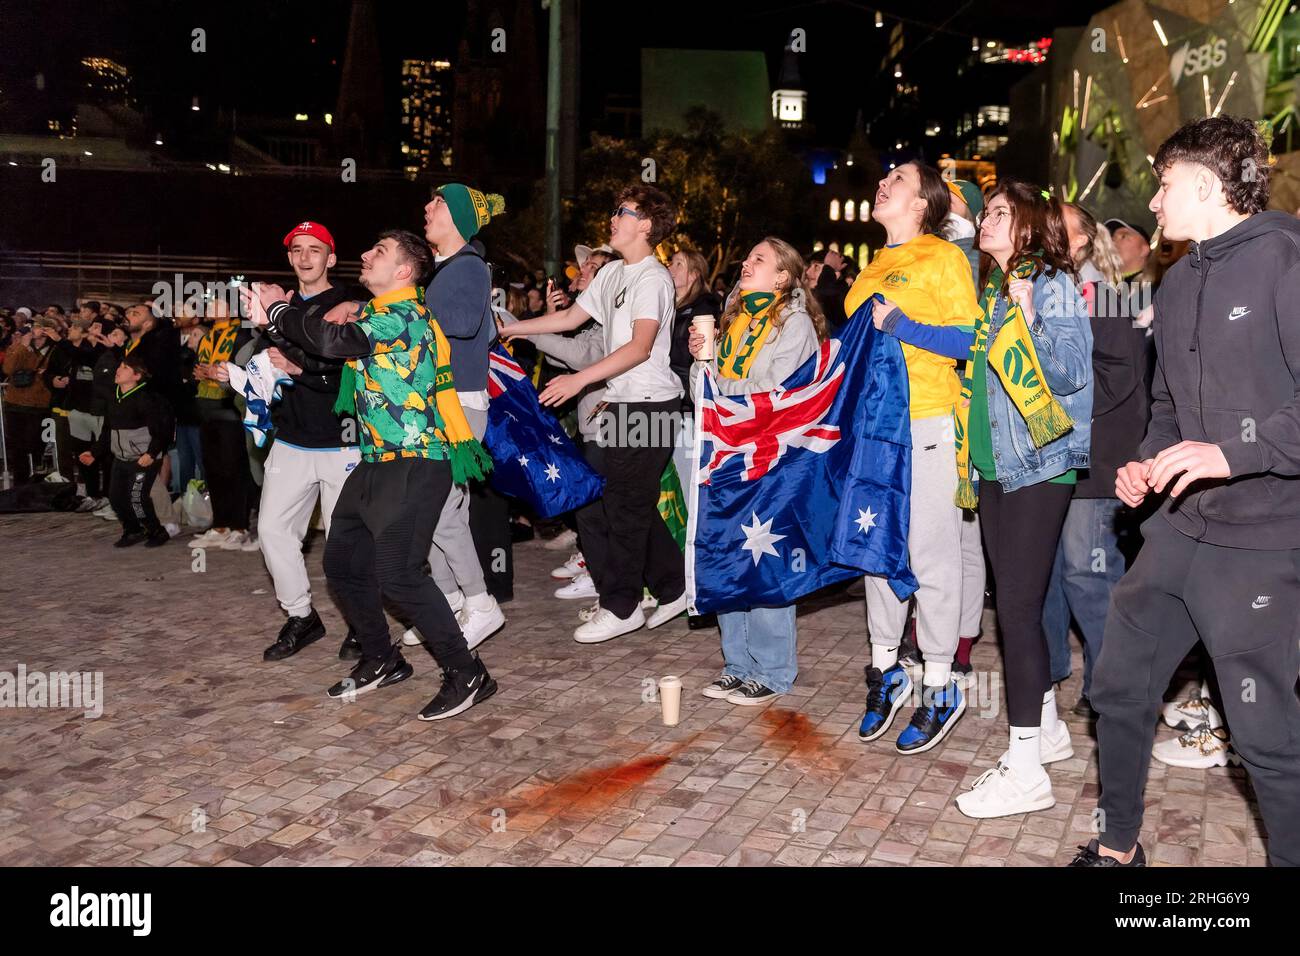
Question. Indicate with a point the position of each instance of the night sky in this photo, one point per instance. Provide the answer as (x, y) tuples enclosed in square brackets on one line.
[(261, 57)]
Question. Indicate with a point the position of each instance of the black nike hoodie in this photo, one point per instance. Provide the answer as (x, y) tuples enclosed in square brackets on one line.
[(1227, 331)]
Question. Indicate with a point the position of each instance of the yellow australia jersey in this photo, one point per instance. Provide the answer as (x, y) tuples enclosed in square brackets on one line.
[(930, 280)]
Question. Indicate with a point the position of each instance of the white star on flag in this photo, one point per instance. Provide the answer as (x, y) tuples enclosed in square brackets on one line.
[(866, 519), (759, 539), (552, 473), (523, 461), (556, 439)]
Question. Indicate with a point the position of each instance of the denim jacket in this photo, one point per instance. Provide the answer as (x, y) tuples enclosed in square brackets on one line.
[(1062, 337)]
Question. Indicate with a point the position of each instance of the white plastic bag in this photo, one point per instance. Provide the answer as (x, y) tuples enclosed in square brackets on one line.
[(197, 504)]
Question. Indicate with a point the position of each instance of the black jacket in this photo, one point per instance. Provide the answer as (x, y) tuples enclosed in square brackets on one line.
[(105, 390), (1227, 328), (161, 349), (305, 415), (136, 423), (679, 355), (1120, 404)]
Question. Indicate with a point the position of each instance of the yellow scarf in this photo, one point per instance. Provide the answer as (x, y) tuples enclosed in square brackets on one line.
[(739, 343), (1012, 358), (217, 346)]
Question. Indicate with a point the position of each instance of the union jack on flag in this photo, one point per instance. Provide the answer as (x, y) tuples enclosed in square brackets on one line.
[(807, 484)]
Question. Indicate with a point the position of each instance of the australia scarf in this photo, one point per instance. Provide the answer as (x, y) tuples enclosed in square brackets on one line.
[(1012, 358), (746, 334), (468, 458)]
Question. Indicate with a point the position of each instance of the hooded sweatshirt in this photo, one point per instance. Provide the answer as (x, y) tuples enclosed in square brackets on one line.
[(1228, 371)]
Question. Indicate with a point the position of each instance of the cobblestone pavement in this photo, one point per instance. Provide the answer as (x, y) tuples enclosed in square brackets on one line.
[(206, 755)]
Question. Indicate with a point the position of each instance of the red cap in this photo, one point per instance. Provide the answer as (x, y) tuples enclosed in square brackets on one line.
[(313, 229)]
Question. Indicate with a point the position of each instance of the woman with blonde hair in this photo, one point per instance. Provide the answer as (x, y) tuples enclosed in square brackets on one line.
[(770, 327)]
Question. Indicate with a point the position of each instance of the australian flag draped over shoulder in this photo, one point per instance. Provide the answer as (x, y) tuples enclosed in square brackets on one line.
[(806, 485), (533, 459)]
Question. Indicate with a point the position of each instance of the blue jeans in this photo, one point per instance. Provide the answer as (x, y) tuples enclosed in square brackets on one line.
[(1088, 563), (759, 645), (188, 462)]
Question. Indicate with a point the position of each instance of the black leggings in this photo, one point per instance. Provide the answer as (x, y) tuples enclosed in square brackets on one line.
[(379, 539), (1021, 529), (226, 470)]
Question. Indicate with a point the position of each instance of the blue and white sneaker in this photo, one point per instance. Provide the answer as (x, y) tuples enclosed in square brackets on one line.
[(938, 713), (886, 693)]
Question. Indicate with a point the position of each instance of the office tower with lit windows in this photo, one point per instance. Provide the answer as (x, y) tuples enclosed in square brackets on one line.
[(426, 141)]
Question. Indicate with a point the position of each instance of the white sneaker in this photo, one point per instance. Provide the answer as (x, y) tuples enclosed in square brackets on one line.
[(648, 601), (1188, 714), (88, 505), (605, 624), (456, 601), (582, 586), (666, 612), (1004, 792), (480, 623), (570, 569), (106, 512), (1199, 748), (250, 543), (1050, 749), (587, 613), (173, 530), (235, 541), (211, 538), (410, 638), (563, 541)]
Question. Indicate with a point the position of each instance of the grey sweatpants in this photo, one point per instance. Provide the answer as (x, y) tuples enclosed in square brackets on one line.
[(1244, 606), (934, 546), (453, 560)]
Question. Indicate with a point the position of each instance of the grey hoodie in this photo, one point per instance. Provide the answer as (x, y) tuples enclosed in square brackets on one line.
[(1227, 330), (784, 351)]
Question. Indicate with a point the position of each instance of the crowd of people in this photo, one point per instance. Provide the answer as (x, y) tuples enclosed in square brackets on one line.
[(1085, 452)]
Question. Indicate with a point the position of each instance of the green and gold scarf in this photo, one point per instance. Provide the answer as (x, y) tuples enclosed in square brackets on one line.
[(740, 343), (1012, 358)]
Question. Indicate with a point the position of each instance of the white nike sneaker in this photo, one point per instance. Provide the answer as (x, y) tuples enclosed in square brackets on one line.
[(605, 625), (235, 541), (1004, 792), (480, 623), (570, 569), (563, 541), (582, 586), (1188, 714), (1199, 748), (587, 613), (664, 613), (1050, 749)]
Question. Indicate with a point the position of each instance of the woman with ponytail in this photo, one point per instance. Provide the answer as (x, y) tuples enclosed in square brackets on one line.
[(919, 289), (1023, 429), (770, 327)]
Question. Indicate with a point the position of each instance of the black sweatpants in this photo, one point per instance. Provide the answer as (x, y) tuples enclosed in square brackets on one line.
[(226, 470), (489, 526), (1245, 607), (379, 538), (593, 529), (93, 475), (1021, 530), (640, 548), (23, 440), (128, 491)]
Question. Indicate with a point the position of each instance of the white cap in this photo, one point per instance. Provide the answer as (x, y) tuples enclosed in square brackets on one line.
[(583, 253)]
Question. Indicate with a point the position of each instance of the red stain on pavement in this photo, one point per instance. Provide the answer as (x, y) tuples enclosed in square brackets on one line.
[(792, 728)]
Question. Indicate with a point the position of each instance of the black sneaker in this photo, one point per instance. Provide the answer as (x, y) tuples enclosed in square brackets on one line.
[(721, 687), (350, 649), (372, 673), (960, 671), (908, 653), (697, 622), (128, 539), (1088, 856), (751, 692), (461, 690), (157, 538), (296, 634)]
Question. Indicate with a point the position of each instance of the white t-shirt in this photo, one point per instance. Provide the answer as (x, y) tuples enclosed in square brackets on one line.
[(621, 294)]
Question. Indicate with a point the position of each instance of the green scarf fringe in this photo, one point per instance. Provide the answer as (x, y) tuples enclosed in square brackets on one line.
[(966, 497), (469, 461), (1048, 424)]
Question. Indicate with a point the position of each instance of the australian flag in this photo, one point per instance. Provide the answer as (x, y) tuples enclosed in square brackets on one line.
[(532, 458), (806, 485)]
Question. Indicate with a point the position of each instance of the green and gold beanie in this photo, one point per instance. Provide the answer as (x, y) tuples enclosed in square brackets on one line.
[(470, 209)]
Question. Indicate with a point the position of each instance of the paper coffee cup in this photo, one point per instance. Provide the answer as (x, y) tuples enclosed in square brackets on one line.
[(670, 700), (705, 325)]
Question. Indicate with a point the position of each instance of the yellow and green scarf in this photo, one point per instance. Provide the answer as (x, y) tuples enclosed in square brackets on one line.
[(217, 346), (1012, 358), (740, 343)]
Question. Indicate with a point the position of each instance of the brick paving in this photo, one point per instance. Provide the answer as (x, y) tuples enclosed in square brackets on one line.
[(206, 755)]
